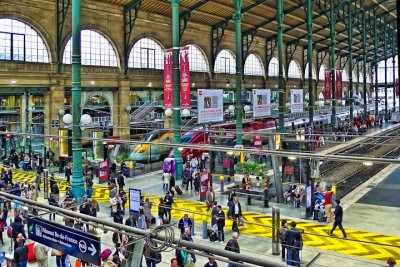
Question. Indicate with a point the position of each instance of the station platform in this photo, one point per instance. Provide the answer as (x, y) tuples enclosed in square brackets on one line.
[(370, 244)]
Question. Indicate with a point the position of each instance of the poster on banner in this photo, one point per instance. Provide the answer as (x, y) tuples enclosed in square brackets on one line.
[(257, 141), (134, 200), (210, 105), (168, 79), (203, 185), (328, 82), (261, 102), (339, 84), (185, 76), (103, 171), (296, 100)]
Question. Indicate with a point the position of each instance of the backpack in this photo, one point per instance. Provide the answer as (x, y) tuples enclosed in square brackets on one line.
[(189, 261), (9, 232)]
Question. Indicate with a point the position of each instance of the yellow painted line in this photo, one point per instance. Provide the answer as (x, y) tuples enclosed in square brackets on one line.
[(363, 244)]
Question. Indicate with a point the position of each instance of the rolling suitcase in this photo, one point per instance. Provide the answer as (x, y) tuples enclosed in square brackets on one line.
[(178, 190)]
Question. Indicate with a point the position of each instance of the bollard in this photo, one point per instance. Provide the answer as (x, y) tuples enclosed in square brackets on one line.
[(275, 231), (205, 233), (222, 178)]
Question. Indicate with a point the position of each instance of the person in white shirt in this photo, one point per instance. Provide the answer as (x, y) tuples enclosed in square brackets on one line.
[(166, 180)]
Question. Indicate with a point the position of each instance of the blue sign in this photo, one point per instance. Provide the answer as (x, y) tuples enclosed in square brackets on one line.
[(70, 241), (134, 200)]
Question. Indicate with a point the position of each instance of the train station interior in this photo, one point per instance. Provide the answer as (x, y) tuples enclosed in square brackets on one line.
[(108, 106)]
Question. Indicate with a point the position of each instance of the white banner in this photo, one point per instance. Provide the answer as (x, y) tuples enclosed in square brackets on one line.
[(210, 105), (261, 102), (296, 100)]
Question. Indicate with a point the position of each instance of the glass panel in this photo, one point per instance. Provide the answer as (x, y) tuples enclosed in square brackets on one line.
[(146, 53), (225, 62), (18, 47), (253, 66), (197, 60)]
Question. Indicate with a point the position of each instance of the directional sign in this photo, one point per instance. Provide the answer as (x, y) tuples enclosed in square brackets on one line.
[(70, 241)]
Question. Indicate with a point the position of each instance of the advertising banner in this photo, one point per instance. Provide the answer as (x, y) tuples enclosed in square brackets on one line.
[(134, 200), (261, 102), (328, 82), (185, 76), (257, 141), (69, 241), (203, 185), (210, 105), (339, 84), (103, 171), (168, 79), (296, 100)]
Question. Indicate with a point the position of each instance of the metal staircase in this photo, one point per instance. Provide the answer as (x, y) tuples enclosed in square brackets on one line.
[(141, 112)]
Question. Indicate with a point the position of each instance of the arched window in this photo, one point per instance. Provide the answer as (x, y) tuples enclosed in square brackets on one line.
[(225, 62), (20, 42), (96, 50), (321, 74), (146, 54), (345, 77), (197, 60), (253, 66), (314, 73), (273, 67), (294, 70)]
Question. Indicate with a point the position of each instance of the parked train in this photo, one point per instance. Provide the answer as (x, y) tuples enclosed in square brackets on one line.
[(146, 153)]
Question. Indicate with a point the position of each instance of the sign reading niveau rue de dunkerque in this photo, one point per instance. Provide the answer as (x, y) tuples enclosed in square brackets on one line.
[(70, 241)]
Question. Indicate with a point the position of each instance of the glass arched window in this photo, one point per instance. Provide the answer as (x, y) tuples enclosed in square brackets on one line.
[(197, 60), (146, 54), (253, 66), (20, 42), (273, 67), (294, 70), (314, 73), (225, 62), (96, 50), (345, 77), (321, 74), (381, 71)]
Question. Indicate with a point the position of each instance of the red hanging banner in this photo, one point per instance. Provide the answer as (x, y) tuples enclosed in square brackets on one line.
[(327, 94), (185, 76), (168, 79), (339, 84)]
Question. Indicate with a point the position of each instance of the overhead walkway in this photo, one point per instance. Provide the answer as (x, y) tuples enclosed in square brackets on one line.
[(364, 244)]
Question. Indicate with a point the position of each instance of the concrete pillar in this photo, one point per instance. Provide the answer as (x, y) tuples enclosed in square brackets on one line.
[(121, 117)]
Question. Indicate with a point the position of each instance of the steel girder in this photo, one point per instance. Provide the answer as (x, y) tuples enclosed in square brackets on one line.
[(184, 16), (130, 15), (61, 15)]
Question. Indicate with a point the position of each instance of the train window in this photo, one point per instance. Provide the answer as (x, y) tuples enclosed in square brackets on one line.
[(186, 139), (151, 136)]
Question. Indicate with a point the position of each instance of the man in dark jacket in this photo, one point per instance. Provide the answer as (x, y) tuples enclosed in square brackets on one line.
[(17, 228), (220, 217), (185, 222), (21, 254), (234, 213), (168, 200), (233, 246), (294, 243), (338, 219)]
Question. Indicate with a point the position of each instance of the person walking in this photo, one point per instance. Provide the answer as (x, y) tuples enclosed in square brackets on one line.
[(220, 218), (161, 210), (233, 246), (41, 253), (89, 185), (391, 262), (168, 200), (210, 198), (21, 254), (234, 213), (166, 180), (55, 191), (328, 204), (282, 233), (38, 180), (185, 222), (338, 219), (294, 243)]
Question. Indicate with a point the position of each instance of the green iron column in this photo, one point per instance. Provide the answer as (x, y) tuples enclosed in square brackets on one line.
[(177, 97), (280, 68), (238, 92), (350, 42), (376, 67), (78, 185), (385, 57), (310, 9), (26, 148), (364, 47), (332, 23)]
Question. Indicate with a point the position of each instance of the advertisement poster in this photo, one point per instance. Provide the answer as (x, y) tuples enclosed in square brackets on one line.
[(98, 147), (203, 185), (257, 141), (261, 102), (168, 79), (339, 84), (185, 76), (210, 105), (103, 171), (134, 200), (296, 100), (328, 82)]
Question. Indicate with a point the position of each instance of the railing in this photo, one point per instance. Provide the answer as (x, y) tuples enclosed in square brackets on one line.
[(142, 112)]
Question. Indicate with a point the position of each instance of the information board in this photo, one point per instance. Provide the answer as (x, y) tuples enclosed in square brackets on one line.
[(70, 241), (134, 200)]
